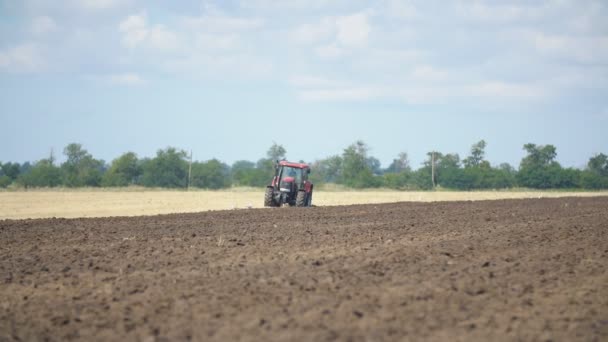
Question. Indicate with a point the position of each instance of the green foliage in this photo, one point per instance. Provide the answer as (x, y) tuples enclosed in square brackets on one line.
[(42, 174), (448, 173), (591, 180), (401, 180), (328, 170), (596, 174), (169, 169), (124, 171), (479, 174), (212, 174), (477, 154), (276, 152), (356, 169), (400, 164), (267, 166), (374, 165), (246, 173), (421, 179), (598, 164), (538, 169), (241, 171), (5, 181), (11, 170), (80, 168)]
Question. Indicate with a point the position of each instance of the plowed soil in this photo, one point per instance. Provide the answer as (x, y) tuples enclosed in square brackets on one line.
[(532, 269)]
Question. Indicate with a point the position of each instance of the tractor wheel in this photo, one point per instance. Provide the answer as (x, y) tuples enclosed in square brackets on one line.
[(309, 201), (268, 202), (301, 199)]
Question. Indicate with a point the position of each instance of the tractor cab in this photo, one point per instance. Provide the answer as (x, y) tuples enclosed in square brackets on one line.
[(289, 179), (289, 185)]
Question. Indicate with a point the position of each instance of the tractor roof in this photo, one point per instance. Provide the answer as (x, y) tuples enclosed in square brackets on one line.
[(295, 165)]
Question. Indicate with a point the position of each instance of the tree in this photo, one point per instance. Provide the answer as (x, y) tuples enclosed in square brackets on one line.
[(169, 169), (276, 152), (400, 164), (595, 176), (598, 164), (539, 155), (212, 174), (11, 170), (401, 180), (80, 168), (240, 172), (246, 173), (356, 171), (421, 179), (478, 173), (42, 174), (124, 171), (539, 169), (25, 168), (503, 176), (374, 165), (449, 173), (477, 154), (328, 170)]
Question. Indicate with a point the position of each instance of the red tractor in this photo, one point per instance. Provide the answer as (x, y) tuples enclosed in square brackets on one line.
[(290, 186)]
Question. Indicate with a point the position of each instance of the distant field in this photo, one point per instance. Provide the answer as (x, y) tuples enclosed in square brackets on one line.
[(129, 202)]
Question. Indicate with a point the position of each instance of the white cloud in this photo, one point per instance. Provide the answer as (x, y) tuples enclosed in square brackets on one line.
[(580, 49), (313, 33), (204, 46), (135, 30), (329, 51), (353, 30), (302, 5), (223, 23), (215, 41), (23, 58), (309, 81), (427, 73), (200, 64), (402, 9), (437, 87), (506, 90), (341, 94), (388, 49), (42, 25), (95, 5), (334, 36), (319, 89), (161, 38), (128, 79), (214, 20), (496, 13)]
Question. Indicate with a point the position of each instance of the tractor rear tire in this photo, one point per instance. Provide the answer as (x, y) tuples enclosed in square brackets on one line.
[(301, 199), (268, 202)]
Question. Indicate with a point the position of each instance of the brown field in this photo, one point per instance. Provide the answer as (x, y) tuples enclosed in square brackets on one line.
[(129, 202), (503, 270)]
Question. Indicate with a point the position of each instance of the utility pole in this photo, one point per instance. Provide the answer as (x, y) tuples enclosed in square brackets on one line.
[(51, 157), (433, 168), (190, 171)]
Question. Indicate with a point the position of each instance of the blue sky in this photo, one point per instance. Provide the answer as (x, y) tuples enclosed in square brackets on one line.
[(226, 79)]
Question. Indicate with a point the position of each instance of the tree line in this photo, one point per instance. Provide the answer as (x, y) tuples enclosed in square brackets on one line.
[(354, 167)]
